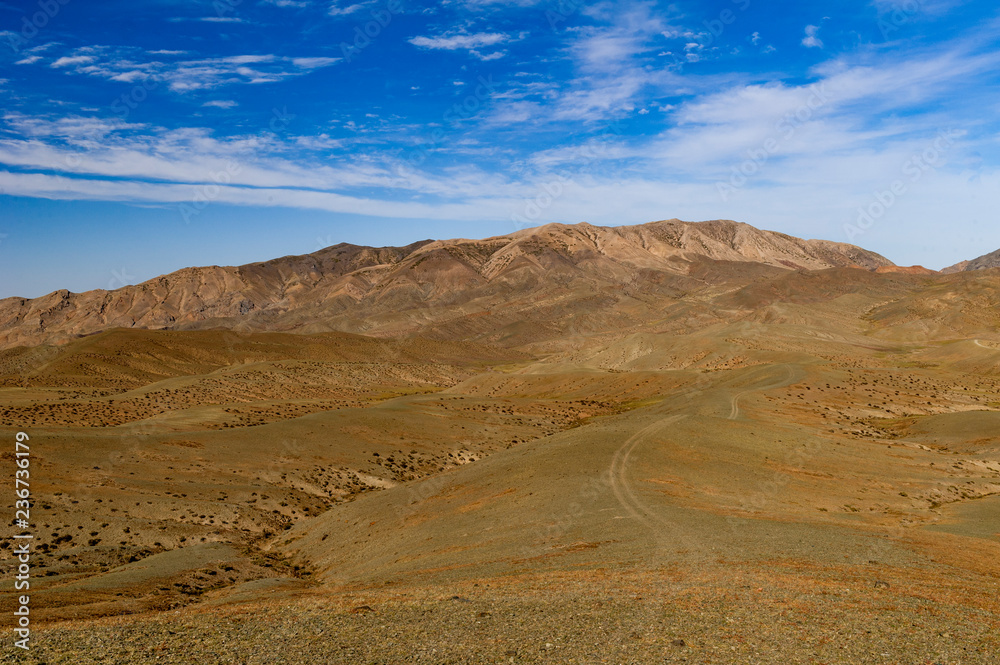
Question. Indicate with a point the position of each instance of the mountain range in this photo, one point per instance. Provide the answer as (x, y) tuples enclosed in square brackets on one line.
[(581, 274)]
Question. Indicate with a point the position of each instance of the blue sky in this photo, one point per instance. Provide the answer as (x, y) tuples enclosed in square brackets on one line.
[(141, 137)]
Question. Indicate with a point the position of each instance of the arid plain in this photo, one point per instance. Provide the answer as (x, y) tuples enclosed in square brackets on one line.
[(672, 442)]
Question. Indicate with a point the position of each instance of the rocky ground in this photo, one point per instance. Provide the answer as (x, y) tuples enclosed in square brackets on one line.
[(614, 615)]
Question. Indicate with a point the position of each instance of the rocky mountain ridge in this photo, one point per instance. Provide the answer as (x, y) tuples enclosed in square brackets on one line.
[(364, 289)]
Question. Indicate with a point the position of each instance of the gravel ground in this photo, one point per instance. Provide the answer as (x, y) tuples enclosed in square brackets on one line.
[(574, 620)]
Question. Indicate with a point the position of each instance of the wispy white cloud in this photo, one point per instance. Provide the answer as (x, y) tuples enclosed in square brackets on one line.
[(855, 107), (69, 61), (473, 43), (837, 138), (100, 148), (207, 19), (184, 75), (612, 78), (481, 4), (73, 128), (314, 63), (812, 40), (60, 187), (460, 41), (496, 55), (347, 9), (916, 8)]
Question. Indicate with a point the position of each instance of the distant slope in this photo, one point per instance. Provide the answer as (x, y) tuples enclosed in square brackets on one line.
[(125, 359), (730, 241), (539, 278), (984, 262)]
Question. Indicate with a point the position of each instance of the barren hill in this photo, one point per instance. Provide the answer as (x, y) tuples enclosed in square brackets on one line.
[(679, 443), (444, 288), (984, 262)]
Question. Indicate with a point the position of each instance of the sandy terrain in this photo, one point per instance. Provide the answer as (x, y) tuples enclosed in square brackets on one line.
[(766, 465)]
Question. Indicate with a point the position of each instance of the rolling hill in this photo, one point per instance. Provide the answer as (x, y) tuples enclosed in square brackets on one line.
[(663, 443)]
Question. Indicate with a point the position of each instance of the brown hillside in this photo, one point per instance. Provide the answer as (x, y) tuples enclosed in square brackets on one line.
[(451, 288), (985, 262)]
